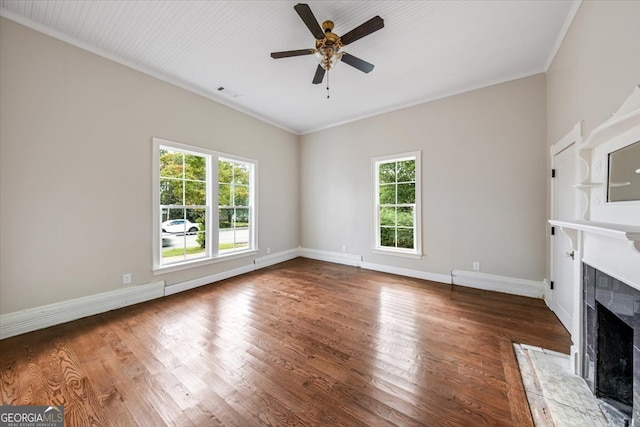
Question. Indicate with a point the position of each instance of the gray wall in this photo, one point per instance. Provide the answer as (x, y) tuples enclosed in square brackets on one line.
[(596, 68), (75, 169), (483, 194)]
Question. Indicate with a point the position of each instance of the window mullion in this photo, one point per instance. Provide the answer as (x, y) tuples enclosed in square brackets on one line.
[(198, 172)]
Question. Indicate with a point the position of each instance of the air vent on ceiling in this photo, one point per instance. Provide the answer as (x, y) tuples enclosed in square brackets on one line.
[(228, 92)]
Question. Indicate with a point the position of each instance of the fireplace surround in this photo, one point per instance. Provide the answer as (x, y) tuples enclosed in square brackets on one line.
[(602, 280), (611, 365)]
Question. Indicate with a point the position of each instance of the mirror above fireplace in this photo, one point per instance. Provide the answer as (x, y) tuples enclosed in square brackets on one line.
[(623, 183)]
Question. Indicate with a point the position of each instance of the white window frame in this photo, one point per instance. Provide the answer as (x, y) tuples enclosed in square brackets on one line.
[(416, 252), (211, 254)]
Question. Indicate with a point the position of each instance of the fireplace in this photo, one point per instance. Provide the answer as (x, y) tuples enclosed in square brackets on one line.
[(612, 342)]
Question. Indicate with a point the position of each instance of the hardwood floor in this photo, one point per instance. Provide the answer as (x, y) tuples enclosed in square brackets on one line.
[(302, 343)]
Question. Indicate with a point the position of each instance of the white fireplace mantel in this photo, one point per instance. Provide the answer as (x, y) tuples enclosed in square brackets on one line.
[(607, 234), (629, 233)]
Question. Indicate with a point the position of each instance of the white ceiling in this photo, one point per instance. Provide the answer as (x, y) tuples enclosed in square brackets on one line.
[(426, 50)]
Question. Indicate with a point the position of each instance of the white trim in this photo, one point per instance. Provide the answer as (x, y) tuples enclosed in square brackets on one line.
[(258, 263), (416, 156), (491, 282), (276, 258), (185, 265), (562, 34), (215, 97), (201, 281), (35, 318), (32, 319), (626, 118), (416, 274), (211, 254), (330, 256), (574, 136), (397, 252)]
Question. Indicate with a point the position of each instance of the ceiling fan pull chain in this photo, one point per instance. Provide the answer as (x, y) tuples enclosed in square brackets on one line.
[(327, 84)]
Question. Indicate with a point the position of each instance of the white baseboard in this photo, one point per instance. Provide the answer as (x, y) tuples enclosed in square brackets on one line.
[(330, 256), (547, 293), (416, 274), (276, 258), (32, 319), (201, 281), (258, 263), (490, 282)]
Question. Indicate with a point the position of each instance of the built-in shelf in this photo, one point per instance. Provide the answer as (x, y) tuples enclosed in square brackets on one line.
[(584, 185), (619, 184), (619, 231)]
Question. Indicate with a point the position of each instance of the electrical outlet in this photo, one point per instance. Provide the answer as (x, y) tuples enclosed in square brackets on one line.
[(268, 250), (344, 248), (126, 278), (476, 266)]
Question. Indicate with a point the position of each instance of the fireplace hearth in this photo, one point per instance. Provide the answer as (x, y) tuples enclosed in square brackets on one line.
[(612, 342)]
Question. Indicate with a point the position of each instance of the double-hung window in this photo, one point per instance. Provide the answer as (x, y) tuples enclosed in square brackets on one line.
[(189, 228), (397, 204)]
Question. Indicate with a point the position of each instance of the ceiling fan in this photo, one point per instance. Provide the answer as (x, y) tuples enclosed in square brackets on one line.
[(328, 44)]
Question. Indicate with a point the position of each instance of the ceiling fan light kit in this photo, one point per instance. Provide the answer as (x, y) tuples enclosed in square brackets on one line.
[(328, 44)]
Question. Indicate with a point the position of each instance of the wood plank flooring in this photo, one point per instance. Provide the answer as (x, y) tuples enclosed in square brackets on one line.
[(302, 343)]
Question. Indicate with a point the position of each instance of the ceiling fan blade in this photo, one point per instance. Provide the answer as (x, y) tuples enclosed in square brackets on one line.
[(289, 53), (356, 62), (373, 24), (319, 76), (309, 20)]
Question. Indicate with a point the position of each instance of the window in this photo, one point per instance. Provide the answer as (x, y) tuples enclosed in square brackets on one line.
[(397, 204), (188, 228), (234, 208)]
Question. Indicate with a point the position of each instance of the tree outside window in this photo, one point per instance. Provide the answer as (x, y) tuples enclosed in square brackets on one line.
[(396, 194), (188, 226)]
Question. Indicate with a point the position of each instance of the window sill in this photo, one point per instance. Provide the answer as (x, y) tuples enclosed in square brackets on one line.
[(397, 253), (170, 268)]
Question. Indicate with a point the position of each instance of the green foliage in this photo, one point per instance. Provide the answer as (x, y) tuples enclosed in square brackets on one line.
[(172, 252), (387, 194), (396, 237), (387, 172), (388, 237), (182, 179), (233, 183), (405, 216), (406, 193), (233, 194), (397, 187), (387, 216), (405, 238), (406, 171), (201, 237), (183, 184), (392, 172)]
